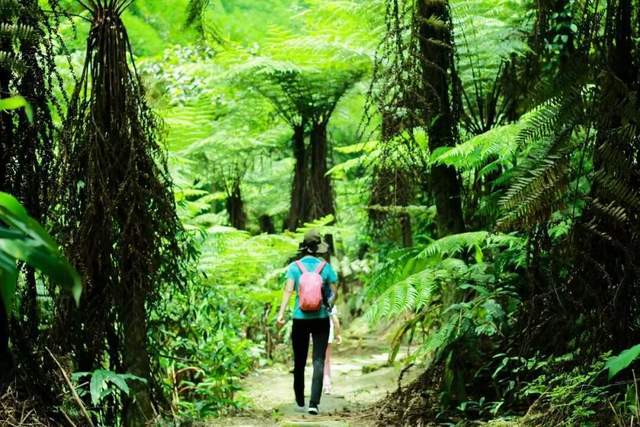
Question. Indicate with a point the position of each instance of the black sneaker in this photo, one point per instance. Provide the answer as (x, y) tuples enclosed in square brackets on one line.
[(313, 410)]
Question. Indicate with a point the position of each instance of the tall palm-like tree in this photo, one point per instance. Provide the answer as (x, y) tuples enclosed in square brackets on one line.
[(117, 210)]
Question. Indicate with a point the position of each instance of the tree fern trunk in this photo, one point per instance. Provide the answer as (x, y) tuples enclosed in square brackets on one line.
[(298, 187), (6, 138), (138, 411), (6, 359), (266, 224), (407, 234), (436, 43), (235, 207), (320, 188), (617, 254), (6, 122)]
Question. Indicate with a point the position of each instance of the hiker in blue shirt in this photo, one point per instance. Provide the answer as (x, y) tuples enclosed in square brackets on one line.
[(311, 314)]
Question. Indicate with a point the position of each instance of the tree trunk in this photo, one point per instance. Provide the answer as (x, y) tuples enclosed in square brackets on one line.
[(6, 131), (266, 224), (138, 409), (621, 79), (6, 359), (6, 127), (435, 33), (235, 207), (405, 227), (298, 187), (320, 189)]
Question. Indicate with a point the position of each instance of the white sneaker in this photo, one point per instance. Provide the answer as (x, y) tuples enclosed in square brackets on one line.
[(301, 409), (313, 410)]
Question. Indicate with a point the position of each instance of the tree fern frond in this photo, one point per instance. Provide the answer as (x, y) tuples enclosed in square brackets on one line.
[(453, 244), (539, 123), (195, 9), (498, 142), (10, 60), (535, 196), (410, 294), (13, 32), (617, 189), (610, 213)]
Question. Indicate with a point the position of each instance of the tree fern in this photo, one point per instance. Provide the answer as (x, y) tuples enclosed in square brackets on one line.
[(489, 36)]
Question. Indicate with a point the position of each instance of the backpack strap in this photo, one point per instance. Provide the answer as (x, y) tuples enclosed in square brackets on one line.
[(301, 266), (321, 267)]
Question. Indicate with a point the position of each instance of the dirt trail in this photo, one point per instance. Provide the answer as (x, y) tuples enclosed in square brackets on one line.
[(359, 380)]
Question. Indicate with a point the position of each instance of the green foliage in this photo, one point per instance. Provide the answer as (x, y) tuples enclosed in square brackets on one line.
[(573, 397), (622, 360), (459, 288), (489, 36), (213, 332), (105, 384), (23, 239), (204, 348), (236, 258), (16, 102), (547, 182)]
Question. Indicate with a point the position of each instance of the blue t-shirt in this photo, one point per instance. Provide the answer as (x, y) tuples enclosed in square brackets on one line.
[(329, 276)]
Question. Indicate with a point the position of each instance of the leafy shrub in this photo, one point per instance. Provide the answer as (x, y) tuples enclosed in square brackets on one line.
[(198, 335)]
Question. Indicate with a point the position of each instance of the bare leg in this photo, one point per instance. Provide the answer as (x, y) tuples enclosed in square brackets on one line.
[(327, 370)]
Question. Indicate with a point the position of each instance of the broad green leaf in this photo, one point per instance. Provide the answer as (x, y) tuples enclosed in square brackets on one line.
[(27, 241), (119, 382), (98, 385), (5, 233), (47, 260), (479, 255), (13, 206), (623, 360), (15, 215), (8, 280), (77, 376)]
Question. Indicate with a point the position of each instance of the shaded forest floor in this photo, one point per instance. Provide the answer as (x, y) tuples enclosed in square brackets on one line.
[(361, 377)]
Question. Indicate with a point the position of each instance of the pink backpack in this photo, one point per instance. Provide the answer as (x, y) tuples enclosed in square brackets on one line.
[(310, 288)]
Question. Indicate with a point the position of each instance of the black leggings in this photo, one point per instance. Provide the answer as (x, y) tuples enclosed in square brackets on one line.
[(319, 330)]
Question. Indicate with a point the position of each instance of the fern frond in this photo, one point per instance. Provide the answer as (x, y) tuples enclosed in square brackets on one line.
[(535, 196), (12, 32), (11, 61), (611, 213), (408, 295), (617, 189), (540, 123), (454, 244), (499, 142)]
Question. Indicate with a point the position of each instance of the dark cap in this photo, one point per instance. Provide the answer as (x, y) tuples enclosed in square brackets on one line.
[(313, 240)]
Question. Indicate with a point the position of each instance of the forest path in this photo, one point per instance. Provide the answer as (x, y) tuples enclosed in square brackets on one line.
[(360, 378)]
